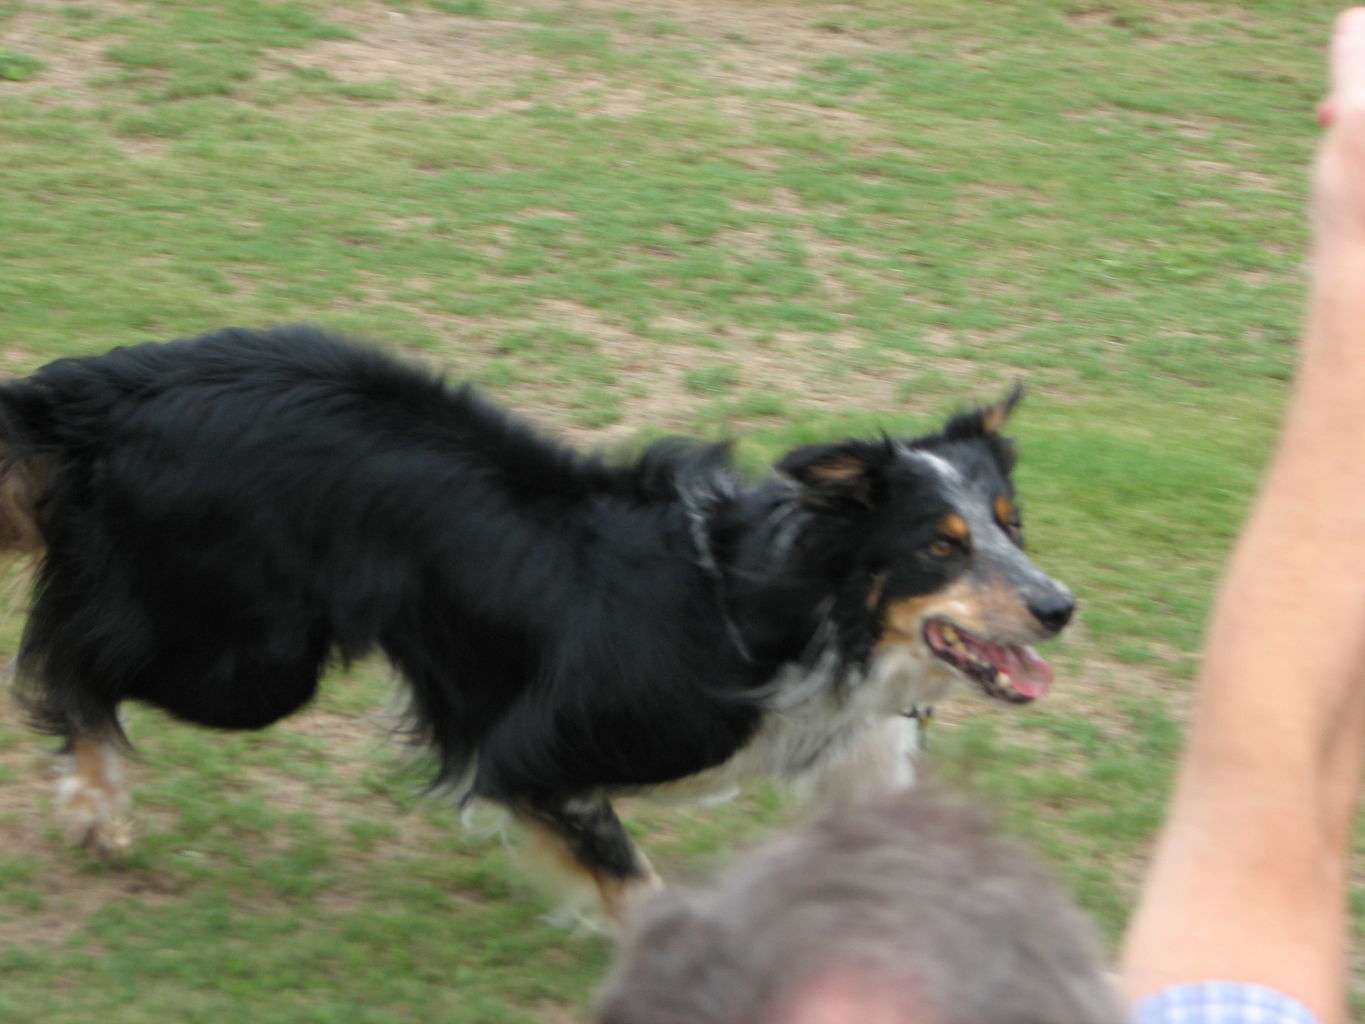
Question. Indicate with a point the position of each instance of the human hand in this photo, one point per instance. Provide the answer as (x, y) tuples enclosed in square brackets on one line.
[(1339, 173)]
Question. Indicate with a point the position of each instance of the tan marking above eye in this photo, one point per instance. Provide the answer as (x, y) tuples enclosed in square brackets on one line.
[(954, 526), (1005, 512)]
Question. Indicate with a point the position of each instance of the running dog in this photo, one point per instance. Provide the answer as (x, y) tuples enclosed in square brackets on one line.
[(217, 519)]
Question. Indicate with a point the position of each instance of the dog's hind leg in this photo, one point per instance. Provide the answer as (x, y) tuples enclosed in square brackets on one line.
[(92, 798), (586, 839)]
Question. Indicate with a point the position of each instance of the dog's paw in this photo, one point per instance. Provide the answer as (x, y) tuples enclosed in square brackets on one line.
[(94, 816), (618, 898)]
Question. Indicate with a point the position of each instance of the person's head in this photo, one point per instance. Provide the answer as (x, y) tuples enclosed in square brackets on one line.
[(905, 910)]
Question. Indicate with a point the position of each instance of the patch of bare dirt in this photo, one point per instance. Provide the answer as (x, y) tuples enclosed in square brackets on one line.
[(758, 48), (1250, 181), (765, 39), (1159, 24), (780, 364), (811, 372), (421, 48), (70, 64)]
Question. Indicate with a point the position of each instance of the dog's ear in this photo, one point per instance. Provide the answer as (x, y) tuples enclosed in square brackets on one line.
[(833, 475), (987, 421)]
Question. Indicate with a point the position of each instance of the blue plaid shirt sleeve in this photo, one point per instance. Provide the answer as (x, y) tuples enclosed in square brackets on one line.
[(1221, 1002)]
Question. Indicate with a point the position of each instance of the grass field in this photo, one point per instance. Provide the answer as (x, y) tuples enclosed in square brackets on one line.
[(779, 220)]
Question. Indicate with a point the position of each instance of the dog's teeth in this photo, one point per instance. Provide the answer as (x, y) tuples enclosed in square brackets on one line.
[(950, 634)]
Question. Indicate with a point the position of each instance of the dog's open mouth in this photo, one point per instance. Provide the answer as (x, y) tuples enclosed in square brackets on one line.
[(1013, 673)]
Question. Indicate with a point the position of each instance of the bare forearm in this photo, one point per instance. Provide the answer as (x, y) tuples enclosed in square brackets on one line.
[(1248, 882)]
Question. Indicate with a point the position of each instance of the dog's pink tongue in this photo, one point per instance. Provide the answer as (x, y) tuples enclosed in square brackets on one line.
[(1029, 675)]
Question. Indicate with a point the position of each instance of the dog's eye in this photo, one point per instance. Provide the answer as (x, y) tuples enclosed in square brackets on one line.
[(941, 548)]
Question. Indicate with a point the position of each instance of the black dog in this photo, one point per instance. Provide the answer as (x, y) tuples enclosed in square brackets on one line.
[(219, 517)]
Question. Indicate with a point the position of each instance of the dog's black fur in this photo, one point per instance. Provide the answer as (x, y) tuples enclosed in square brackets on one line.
[(220, 517)]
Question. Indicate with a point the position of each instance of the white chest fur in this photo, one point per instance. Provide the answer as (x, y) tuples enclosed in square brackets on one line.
[(845, 737)]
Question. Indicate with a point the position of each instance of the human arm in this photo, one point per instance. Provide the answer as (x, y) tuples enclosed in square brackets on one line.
[(1248, 881)]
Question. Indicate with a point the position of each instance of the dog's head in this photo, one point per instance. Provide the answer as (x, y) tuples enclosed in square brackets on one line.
[(940, 560)]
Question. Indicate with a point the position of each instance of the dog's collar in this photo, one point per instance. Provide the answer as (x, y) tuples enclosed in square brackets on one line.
[(922, 713), (923, 716), (706, 558)]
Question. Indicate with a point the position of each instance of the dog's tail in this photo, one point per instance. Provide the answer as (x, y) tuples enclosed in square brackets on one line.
[(22, 483), (24, 479)]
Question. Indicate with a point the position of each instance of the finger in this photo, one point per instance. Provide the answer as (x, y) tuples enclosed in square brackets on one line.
[(1348, 57), (1325, 112)]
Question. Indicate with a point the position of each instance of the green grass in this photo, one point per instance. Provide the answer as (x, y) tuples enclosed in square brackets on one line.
[(628, 220), (18, 67)]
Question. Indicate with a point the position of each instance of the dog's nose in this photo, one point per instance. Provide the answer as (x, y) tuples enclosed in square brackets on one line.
[(1054, 611)]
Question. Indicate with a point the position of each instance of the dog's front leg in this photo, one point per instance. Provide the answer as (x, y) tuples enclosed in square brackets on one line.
[(586, 839)]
